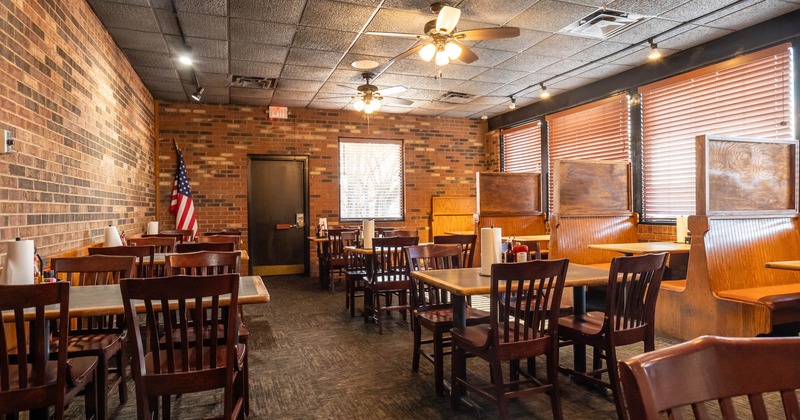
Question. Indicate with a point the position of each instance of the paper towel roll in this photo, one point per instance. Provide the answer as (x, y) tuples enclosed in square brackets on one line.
[(681, 230), (19, 263), (368, 227), (152, 228), (491, 242), (112, 237)]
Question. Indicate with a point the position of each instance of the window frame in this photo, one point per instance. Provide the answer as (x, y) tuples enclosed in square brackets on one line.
[(400, 143)]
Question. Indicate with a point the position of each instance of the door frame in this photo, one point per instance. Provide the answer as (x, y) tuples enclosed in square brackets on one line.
[(306, 198)]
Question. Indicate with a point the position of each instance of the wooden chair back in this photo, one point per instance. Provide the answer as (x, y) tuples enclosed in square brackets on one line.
[(145, 256), (205, 246), (431, 257), (661, 381), (223, 231), (631, 294), (182, 235), (163, 244), (41, 383), (203, 263), (233, 239), (195, 362), (336, 245), (467, 243), (541, 282), (400, 233), (389, 257)]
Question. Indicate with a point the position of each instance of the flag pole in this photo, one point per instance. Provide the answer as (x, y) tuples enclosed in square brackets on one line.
[(175, 142)]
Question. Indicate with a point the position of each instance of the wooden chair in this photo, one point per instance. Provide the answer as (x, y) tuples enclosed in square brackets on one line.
[(389, 277), (145, 257), (507, 339), (432, 307), (204, 246), (400, 233), (336, 244), (629, 318), (101, 336), (195, 363), (467, 243), (223, 231), (42, 382), (355, 277), (704, 376), (207, 263), (233, 239), (163, 244)]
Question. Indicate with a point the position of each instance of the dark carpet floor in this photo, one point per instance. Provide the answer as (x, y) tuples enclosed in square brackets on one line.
[(310, 360)]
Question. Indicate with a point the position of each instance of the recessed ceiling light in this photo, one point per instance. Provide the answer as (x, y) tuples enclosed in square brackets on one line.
[(364, 64)]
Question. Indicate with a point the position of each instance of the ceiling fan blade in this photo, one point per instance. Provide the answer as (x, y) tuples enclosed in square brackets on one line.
[(487, 33), (392, 90), (333, 97), (396, 101), (447, 20), (409, 52), (467, 55), (395, 35)]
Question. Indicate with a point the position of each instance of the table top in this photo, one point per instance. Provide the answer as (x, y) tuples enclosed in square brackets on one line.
[(528, 238), (644, 247), (460, 232), (784, 265), (468, 281), (316, 239), (107, 299)]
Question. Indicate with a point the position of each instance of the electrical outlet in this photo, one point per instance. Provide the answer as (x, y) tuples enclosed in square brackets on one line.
[(8, 142)]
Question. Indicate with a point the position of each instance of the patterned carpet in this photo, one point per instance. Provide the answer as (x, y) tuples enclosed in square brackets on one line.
[(310, 360)]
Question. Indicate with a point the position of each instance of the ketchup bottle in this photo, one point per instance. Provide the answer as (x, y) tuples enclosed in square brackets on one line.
[(520, 252)]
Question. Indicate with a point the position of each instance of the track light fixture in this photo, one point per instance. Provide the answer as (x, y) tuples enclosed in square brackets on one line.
[(655, 54), (544, 94), (513, 103), (198, 93), (185, 57)]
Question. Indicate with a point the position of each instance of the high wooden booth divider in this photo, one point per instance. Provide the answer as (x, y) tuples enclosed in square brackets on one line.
[(746, 216)]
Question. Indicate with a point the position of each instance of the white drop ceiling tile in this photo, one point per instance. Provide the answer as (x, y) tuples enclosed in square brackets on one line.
[(496, 110), (635, 55), (494, 12), (242, 100), (247, 30), (563, 66), (341, 75), (115, 15), (305, 73), (387, 80), (248, 51), (214, 79), (754, 14), (412, 66), (456, 114), (255, 69), (694, 9), (338, 89), (399, 21), (154, 73), (462, 71), (431, 83), (422, 94), (335, 15), (207, 90), (203, 26), (319, 104), (305, 57), (494, 75), (163, 85), (138, 40), (281, 94), (289, 103), (550, 15), (381, 46), (558, 45), (571, 82), (526, 39), (207, 7), (644, 30), (281, 11), (149, 59), (506, 91), (489, 57), (532, 79), (209, 48), (323, 39), (300, 85), (167, 22), (441, 106), (649, 7), (169, 96), (478, 88), (605, 70), (490, 100), (347, 62), (692, 37), (527, 62), (214, 99), (211, 65), (601, 50)]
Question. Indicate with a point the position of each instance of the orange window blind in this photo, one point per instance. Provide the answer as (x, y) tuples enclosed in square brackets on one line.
[(522, 148)]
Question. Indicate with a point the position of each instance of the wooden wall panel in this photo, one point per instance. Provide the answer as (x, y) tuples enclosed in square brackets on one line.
[(592, 187), (450, 214), (509, 193)]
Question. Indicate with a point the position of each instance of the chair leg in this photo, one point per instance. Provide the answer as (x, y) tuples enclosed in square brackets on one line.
[(438, 362), (457, 373), (499, 387), (613, 378), (92, 395), (552, 378), (417, 347), (122, 368), (102, 387)]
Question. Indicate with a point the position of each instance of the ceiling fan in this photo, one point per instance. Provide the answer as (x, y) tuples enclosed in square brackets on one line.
[(440, 40), (370, 99)]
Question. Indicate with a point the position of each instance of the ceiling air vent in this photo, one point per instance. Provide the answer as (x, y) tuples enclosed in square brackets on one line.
[(253, 82), (603, 23), (456, 98)]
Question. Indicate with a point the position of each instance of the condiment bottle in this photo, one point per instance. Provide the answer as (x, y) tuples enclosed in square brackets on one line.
[(37, 267), (520, 252), (509, 253)]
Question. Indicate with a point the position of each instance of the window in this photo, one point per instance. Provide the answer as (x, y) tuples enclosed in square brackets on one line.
[(598, 130), (747, 96), (522, 148), (370, 179)]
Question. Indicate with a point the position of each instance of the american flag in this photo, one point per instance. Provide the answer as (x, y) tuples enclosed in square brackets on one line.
[(182, 206)]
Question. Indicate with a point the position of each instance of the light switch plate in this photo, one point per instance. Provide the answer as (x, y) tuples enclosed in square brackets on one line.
[(8, 142)]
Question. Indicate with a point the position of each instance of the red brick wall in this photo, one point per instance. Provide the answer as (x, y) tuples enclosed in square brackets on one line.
[(441, 156), (83, 125)]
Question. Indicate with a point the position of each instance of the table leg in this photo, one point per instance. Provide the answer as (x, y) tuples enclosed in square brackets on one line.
[(324, 257), (579, 307), (459, 311), (369, 309)]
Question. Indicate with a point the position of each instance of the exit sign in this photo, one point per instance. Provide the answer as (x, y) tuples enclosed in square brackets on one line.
[(278, 112)]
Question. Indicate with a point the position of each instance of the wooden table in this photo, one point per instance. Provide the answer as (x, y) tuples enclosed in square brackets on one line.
[(528, 238), (463, 282), (460, 232), (644, 247), (324, 259)]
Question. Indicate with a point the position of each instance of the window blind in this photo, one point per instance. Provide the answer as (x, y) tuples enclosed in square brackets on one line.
[(522, 148), (598, 130), (747, 96), (370, 179)]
